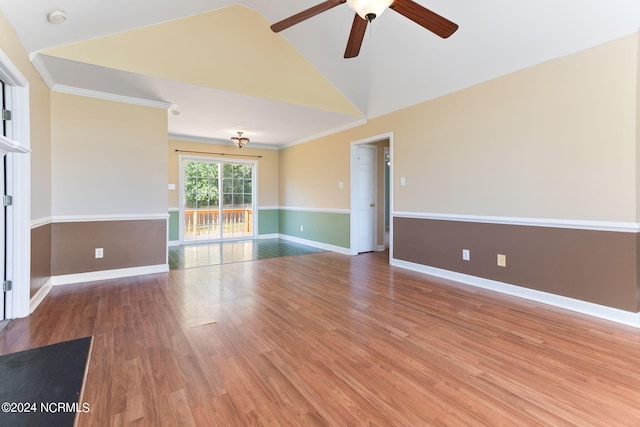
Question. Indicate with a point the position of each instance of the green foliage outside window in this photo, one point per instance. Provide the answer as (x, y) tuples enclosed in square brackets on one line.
[(202, 185)]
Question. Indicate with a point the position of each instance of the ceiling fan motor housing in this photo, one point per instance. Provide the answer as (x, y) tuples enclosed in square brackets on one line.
[(369, 9), (366, 11)]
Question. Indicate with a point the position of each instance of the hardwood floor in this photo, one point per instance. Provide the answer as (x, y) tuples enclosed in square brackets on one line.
[(327, 339), (201, 254)]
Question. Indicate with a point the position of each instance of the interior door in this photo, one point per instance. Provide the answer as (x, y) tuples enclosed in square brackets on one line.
[(366, 198), (3, 209), (3, 240)]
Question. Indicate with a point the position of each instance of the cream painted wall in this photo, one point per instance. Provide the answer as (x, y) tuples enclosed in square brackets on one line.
[(557, 140), (108, 158), (553, 141), (267, 168), (310, 173), (40, 122)]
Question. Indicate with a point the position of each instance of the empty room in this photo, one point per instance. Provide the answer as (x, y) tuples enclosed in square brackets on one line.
[(307, 212)]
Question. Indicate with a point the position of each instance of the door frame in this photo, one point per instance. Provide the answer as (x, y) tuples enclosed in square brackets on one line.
[(355, 187), (254, 196), (18, 184)]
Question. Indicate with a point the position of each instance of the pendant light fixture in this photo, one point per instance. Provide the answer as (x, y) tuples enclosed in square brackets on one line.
[(240, 141)]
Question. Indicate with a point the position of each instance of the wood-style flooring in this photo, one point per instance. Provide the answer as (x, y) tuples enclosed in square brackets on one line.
[(225, 252), (331, 340)]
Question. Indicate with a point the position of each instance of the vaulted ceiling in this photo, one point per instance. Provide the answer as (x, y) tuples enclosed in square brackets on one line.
[(219, 65)]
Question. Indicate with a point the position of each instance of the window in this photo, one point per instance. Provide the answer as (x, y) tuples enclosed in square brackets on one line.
[(218, 199)]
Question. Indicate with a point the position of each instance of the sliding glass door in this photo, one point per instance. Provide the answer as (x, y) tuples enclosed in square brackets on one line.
[(217, 199)]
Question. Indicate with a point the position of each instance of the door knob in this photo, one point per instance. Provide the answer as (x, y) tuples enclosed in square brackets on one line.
[(372, 205)]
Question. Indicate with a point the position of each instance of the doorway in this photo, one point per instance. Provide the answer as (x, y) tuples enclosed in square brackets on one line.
[(4, 104), (217, 199), (14, 149), (369, 194)]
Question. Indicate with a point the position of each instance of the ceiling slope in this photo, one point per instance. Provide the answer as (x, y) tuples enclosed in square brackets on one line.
[(230, 49), (224, 49)]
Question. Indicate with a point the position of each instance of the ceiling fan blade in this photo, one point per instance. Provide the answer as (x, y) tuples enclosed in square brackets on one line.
[(305, 14), (358, 29), (422, 16)]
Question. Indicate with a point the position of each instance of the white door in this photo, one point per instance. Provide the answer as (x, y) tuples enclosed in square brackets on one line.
[(366, 198), (6, 132), (3, 240)]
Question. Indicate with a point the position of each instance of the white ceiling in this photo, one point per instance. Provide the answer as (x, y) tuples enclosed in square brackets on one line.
[(400, 64)]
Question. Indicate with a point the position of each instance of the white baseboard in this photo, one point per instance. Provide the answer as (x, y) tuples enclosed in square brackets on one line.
[(268, 236), (39, 296), (591, 309), (319, 245), (260, 237), (92, 276), (313, 243)]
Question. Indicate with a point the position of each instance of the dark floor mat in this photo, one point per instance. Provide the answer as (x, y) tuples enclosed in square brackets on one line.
[(42, 386)]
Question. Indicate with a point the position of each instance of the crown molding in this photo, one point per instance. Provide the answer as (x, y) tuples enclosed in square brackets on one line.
[(347, 126), (36, 60), (39, 65), (71, 90)]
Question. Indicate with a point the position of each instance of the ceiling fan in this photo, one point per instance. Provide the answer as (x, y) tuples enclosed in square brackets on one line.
[(366, 11)]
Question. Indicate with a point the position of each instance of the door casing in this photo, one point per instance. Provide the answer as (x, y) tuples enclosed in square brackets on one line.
[(354, 189)]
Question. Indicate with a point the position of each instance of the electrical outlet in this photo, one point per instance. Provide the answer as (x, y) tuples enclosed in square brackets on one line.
[(466, 254), (502, 260), (302, 228), (99, 252)]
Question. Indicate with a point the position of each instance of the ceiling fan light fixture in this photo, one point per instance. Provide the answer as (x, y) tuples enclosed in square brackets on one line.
[(240, 141), (369, 9)]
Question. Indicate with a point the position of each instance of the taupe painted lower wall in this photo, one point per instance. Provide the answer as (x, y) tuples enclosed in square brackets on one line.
[(40, 257), (595, 266), (126, 244)]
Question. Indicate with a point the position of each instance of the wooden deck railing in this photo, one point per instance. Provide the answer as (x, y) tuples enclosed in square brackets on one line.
[(201, 221)]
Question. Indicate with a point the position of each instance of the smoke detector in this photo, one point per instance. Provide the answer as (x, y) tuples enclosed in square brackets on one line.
[(57, 16)]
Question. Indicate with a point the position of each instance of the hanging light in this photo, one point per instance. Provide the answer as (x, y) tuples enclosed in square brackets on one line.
[(369, 9), (240, 140)]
